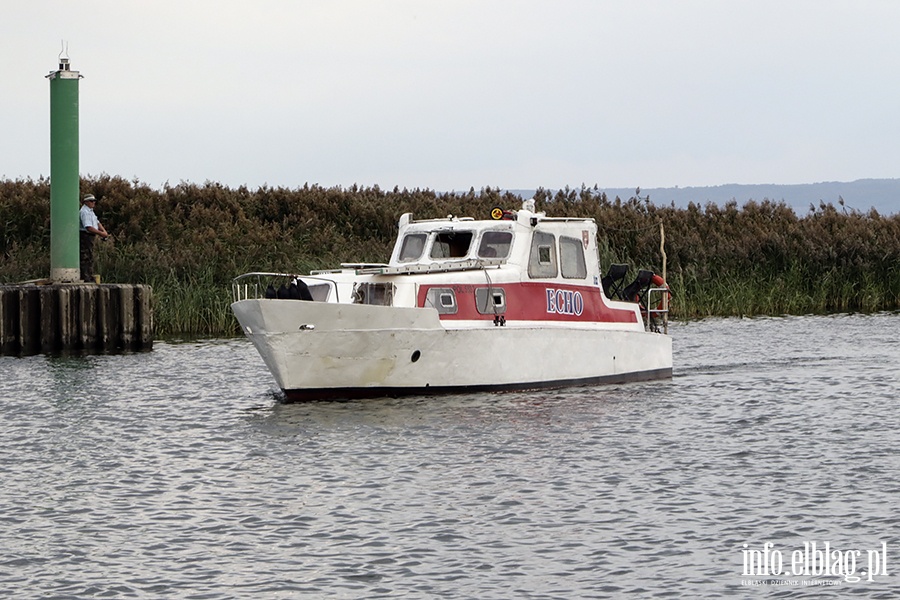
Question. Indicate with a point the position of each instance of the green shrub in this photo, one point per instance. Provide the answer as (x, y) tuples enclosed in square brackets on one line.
[(188, 241)]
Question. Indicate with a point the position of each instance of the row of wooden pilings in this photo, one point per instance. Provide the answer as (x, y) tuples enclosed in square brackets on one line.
[(59, 318)]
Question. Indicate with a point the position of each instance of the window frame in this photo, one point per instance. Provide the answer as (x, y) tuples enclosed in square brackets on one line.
[(484, 294), (564, 264), (537, 268), (408, 236), (452, 233), (484, 242), (434, 298)]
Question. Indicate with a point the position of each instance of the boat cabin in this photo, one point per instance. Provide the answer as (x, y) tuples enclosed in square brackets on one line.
[(543, 247), (520, 265)]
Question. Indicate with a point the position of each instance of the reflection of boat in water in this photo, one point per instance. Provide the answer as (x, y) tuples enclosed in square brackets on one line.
[(510, 303)]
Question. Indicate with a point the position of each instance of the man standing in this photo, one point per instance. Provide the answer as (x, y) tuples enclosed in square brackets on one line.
[(90, 228)]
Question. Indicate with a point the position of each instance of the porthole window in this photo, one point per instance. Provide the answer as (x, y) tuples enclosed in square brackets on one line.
[(443, 300), (490, 301)]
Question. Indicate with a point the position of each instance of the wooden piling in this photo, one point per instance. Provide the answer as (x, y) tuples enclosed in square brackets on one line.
[(9, 320), (68, 329), (75, 318), (87, 316), (29, 320), (143, 298), (107, 317), (126, 315)]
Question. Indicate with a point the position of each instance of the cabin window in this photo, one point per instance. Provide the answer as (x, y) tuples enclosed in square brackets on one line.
[(320, 291), (495, 244), (571, 258), (451, 244), (379, 294), (542, 261), (490, 301), (442, 299), (412, 247)]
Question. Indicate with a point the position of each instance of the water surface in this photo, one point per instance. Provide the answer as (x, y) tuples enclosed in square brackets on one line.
[(177, 473)]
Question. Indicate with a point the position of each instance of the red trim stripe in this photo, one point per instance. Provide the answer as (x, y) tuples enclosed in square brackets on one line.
[(537, 301)]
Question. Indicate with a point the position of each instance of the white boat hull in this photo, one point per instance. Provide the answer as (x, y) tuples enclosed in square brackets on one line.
[(328, 350)]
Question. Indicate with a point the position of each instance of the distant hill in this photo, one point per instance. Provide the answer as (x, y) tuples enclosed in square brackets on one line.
[(863, 194)]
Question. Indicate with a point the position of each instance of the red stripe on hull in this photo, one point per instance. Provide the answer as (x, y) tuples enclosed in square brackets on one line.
[(536, 301)]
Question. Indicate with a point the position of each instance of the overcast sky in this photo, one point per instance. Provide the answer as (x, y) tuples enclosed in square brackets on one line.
[(453, 94)]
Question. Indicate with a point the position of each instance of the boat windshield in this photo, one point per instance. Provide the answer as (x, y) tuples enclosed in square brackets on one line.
[(495, 244), (413, 245), (451, 244)]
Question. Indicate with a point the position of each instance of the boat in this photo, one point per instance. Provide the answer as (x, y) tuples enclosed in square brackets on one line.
[(511, 302)]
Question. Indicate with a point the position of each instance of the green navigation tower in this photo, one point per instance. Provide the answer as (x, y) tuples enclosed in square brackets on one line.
[(64, 174)]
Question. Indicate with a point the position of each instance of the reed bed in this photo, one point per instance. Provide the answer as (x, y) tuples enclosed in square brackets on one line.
[(189, 240)]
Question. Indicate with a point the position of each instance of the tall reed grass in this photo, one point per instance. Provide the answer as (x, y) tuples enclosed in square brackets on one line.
[(188, 241)]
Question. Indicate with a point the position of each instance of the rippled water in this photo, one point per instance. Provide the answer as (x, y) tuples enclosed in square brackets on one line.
[(177, 473)]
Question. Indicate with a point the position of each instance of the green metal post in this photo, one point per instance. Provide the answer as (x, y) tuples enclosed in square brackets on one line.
[(64, 174)]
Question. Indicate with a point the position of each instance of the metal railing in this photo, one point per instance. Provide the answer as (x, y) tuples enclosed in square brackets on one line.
[(656, 312), (253, 286)]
